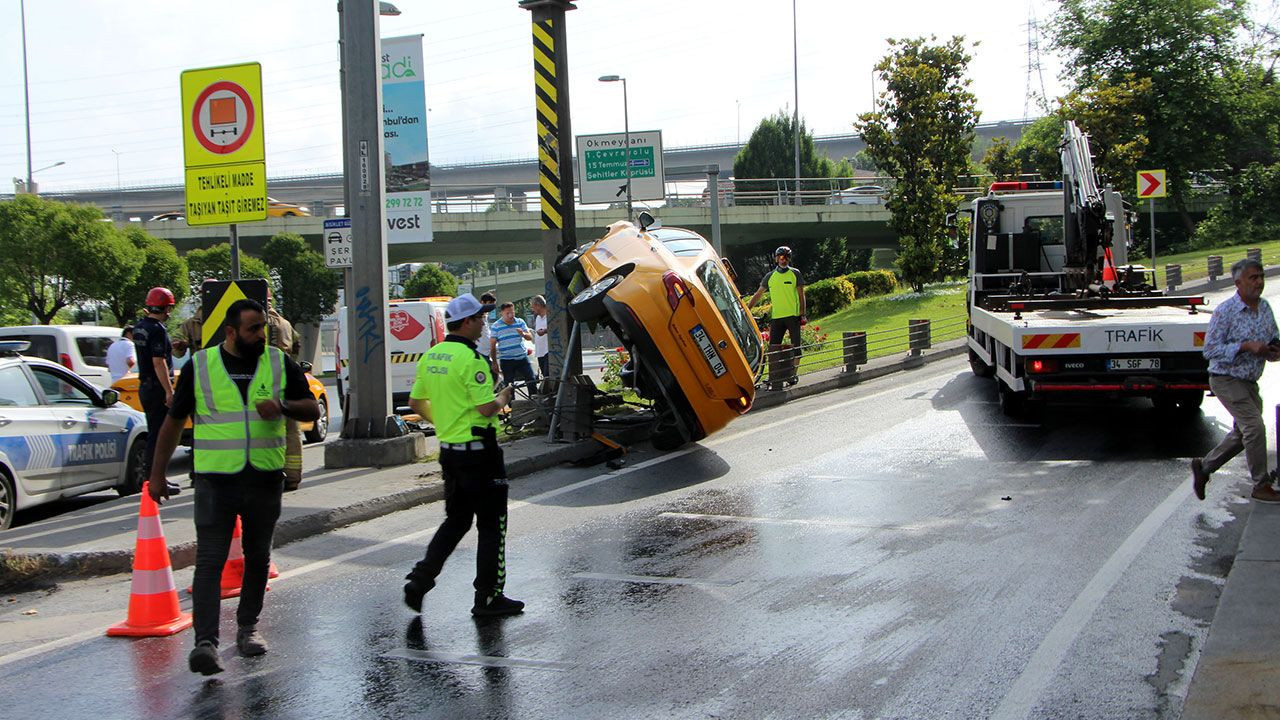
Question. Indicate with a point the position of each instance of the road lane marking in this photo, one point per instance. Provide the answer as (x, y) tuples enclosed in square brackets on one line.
[(353, 554), (435, 656), (1026, 690), (802, 522), (653, 579)]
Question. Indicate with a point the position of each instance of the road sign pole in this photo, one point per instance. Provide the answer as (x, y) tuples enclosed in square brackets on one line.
[(1151, 210), (368, 409), (235, 252), (626, 131)]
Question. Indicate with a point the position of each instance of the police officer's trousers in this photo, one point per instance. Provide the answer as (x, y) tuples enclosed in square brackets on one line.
[(475, 483)]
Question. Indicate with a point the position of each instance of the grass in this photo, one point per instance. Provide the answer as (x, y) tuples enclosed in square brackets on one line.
[(1195, 266), (884, 319)]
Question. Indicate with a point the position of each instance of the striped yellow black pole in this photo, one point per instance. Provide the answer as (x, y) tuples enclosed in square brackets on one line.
[(546, 99)]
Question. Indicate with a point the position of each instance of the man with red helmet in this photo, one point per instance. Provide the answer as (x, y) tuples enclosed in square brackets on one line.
[(155, 367)]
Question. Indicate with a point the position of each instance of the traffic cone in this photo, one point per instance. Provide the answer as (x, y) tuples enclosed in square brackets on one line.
[(153, 600), (1108, 269), (233, 570)]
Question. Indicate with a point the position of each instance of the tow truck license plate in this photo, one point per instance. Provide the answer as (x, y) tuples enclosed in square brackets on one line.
[(1133, 364), (700, 337)]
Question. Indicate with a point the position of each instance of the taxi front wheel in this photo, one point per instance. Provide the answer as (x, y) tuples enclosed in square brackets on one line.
[(588, 305)]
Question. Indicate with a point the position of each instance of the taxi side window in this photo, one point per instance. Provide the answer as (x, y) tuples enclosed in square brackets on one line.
[(15, 389), (58, 390)]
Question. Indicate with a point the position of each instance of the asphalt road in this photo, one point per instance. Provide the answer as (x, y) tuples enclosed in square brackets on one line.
[(896, 550)]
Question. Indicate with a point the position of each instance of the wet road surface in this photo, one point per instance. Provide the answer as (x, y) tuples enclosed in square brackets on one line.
[(896, 550)]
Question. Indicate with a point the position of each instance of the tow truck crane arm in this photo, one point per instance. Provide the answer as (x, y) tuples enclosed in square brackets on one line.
[(1087, 226)]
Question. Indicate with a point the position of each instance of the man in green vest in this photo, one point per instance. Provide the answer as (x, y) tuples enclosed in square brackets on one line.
[(240, 393), (785, 286), (454, 390)]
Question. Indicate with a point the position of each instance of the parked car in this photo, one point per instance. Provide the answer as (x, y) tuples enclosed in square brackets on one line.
[(693, 347), (312, 432), (860, 195), (79, 348), (60, 436)]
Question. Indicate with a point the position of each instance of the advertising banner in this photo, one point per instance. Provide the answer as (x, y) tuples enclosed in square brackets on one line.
[(404, 141)]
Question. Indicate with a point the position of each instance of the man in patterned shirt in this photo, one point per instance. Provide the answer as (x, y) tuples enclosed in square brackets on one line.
[(1242, 336)]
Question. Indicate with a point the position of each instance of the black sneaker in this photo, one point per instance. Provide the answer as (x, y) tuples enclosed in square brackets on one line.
[(1264, 493), (1199, 478), (204, 659), (250, 642), (413, 592), (174, 488), (496, 605)]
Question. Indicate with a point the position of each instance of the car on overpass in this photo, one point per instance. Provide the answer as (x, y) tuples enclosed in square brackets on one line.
[(692, 346), (860, 195), (276, 208), (60, 436)]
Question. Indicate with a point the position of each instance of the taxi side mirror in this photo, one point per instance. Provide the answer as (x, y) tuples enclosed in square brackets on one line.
[(110, 397)]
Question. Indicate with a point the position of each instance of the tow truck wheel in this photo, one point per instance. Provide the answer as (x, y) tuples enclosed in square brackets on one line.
[(980, 368), (1012, 403)]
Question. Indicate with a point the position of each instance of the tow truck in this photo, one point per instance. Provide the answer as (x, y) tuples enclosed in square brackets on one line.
[(1055, 308)]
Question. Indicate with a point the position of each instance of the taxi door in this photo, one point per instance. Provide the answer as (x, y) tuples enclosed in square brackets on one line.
[(27, 431), (91, 440)]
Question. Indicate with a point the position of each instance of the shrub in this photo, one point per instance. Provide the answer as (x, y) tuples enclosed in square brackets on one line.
[(827, 296), (873, 282), (762, 313), (613, 363)]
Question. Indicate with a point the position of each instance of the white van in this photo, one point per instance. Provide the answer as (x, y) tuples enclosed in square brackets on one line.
[(412, 327), (81, 349)]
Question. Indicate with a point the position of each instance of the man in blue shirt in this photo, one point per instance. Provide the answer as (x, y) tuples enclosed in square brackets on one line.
[(509, 333), (1242, 336)]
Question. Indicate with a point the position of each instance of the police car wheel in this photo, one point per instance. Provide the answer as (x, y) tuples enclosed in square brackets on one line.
[(133, 478), (320, 430), (8, 500)]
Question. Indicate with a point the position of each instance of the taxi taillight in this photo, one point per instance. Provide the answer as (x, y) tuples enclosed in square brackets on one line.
[(740, 404), (676, 289)]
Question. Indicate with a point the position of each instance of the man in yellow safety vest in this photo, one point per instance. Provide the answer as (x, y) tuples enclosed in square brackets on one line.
[(240, 393)]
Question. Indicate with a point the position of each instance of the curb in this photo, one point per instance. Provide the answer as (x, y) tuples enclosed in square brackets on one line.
[(20, 568)]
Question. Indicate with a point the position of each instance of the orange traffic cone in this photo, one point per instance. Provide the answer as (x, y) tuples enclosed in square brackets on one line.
[(1108, 269), (153, 600), (233, 570)]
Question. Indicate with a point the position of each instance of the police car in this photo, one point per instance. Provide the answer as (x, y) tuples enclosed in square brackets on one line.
[(60, 436)]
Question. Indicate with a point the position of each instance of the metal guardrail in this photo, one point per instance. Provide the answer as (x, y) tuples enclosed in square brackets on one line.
[(854, 348)]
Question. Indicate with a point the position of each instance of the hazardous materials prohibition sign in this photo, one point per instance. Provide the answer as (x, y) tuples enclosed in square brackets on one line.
[(222, 118)]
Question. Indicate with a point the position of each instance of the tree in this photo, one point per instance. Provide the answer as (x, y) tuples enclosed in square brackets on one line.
[(1037, 149), (161, 266), (431, 280), (308, 289), (55, 254), (1186, 49), (921, 133), (214, 263), (1001, 160), (770, 154)]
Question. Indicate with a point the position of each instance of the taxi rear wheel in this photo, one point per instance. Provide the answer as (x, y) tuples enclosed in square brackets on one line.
[(320, 430), (588, 305), (8, 500), (134, 468)]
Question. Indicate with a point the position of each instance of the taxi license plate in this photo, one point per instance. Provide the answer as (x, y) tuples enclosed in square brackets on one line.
[(708, 349), (1133, 364)]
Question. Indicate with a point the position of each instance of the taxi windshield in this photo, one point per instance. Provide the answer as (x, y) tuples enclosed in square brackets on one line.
[(726, 300)]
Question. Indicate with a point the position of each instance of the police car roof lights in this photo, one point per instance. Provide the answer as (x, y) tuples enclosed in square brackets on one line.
[(12, 348)]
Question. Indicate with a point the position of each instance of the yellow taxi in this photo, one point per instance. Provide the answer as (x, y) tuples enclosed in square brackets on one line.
[(671, 300), (312, 432), (277, 208)]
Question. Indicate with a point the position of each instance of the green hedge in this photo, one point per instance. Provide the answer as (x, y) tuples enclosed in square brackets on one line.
[(828, 296), (873, 282)]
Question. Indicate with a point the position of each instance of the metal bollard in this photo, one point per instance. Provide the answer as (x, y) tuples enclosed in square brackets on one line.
[(1215, 270), (919, 336), (1254, 254), (855, 350), (1172, 276)]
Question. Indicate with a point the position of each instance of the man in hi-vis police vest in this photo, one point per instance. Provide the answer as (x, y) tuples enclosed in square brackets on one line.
[(240, 393), (454, 390)]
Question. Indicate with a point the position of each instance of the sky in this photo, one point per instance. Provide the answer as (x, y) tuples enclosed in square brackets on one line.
[(105, 97)]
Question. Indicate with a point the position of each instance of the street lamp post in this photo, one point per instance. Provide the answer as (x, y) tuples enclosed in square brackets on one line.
[(119, 189), (795, 69), (26, 93), (626, 133)]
